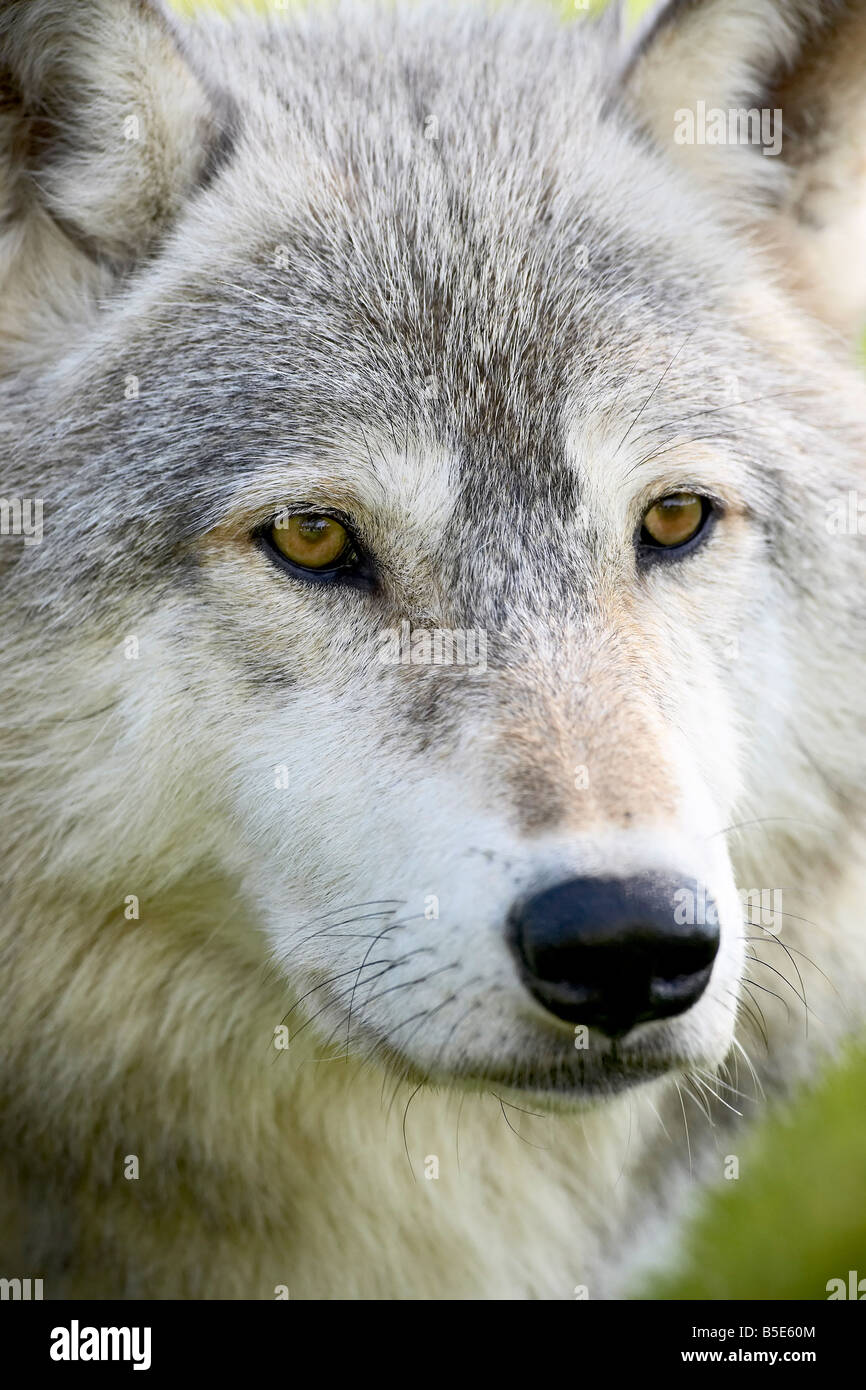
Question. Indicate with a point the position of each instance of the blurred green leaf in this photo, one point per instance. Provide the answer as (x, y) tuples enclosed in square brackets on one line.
[(796, 1217)]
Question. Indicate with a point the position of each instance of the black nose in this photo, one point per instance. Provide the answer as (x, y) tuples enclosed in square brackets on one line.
[(612, 953)]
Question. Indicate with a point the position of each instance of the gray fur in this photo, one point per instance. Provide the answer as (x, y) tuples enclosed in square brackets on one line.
[(320, 286)]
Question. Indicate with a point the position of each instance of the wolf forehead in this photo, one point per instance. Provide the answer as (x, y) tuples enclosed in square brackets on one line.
[(456, 203), (416, 228)]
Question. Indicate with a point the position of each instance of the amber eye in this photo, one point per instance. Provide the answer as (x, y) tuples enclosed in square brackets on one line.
[(311, 541), (674, 520)]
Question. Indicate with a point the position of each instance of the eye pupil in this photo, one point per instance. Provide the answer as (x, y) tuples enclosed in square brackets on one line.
[(673, 520)]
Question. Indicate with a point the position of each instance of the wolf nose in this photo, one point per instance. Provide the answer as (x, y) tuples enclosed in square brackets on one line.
[(612, 953)]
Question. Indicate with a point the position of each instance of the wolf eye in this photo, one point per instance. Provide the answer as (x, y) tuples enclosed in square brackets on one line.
[(674, 521), (315, 546), (311, 541)]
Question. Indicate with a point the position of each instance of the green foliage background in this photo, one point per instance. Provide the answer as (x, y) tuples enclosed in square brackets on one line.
[(796, 1216)]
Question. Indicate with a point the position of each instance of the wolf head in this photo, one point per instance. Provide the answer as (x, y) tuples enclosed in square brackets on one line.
[(437, 416)]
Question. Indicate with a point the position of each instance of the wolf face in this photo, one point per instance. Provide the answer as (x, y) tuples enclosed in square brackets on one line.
[(325, 335)]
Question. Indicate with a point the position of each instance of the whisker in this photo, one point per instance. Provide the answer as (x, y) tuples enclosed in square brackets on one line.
[(339, 976), (405, 1140), (329, 1003), (748, 1061), (686, 1123), (384, 932), (405, 984), (795, 951), (766, 820), (422, 1016), (627, 1144), (756, 960), (348, 922), (522, 1137), (715, 410), (688, 336), (773, 937), (719, 1098), (750, 1013), (722, 1082), (654, 1109), (699, 1100), (749, 981)]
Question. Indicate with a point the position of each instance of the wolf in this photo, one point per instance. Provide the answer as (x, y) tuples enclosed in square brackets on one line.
[(329, 977)]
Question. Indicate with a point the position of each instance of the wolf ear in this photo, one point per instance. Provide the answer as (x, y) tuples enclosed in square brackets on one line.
[(104, 130), (792, 74)]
